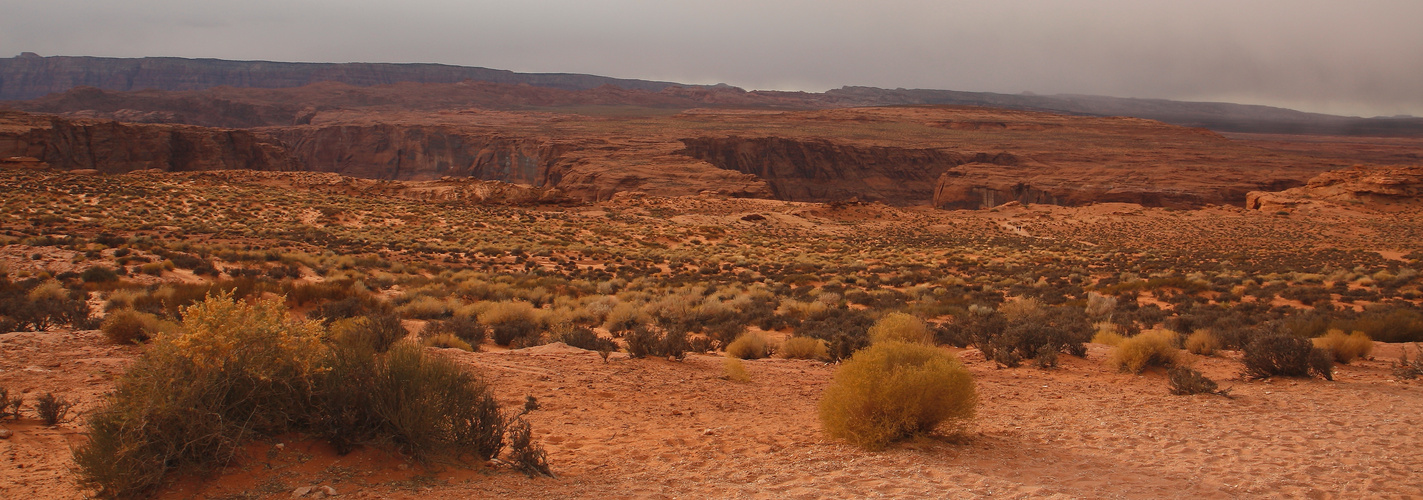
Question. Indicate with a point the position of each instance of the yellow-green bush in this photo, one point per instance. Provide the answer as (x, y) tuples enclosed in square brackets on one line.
[(446, 341), (734, 370), (127, 326), (892, 390), (750, 345), (1202, 342), (803, 348), (900, 327), (1107, 334), (235, 371), (1150, 348), (1345, 348)]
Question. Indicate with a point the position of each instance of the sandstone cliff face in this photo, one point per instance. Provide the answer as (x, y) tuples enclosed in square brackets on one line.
[(977, 185), (393, 152), (1364, 187), (822, 171), (111, 147)]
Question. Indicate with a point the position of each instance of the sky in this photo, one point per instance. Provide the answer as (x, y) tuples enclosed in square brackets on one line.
[(1362, 58)]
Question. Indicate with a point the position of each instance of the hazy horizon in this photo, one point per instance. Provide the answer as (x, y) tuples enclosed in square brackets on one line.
[(1362, 59)]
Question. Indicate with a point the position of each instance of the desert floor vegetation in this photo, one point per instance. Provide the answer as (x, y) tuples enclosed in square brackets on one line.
[(575, 304)]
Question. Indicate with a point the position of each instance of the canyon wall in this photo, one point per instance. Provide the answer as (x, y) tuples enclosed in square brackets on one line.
[(822, 171), (403, 152), (112, 147)]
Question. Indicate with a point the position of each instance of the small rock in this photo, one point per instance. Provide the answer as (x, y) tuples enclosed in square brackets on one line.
[(403, 467), (708, 432), (301, 492), (281, 446), (329, 491), (6, 433)]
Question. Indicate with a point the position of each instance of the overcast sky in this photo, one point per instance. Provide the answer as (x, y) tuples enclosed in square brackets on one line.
[(1362, 57)]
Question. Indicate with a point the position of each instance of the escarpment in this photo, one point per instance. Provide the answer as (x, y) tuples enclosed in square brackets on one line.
[(394, 152), (112, 147), (823, 170), (1360, 186)]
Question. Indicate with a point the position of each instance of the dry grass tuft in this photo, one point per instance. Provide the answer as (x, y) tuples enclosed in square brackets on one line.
[(900, 327), (803, 348), (1202, 342), (735, 370), (750, 345), (1150, 348), (893, 390), (1345, 348)]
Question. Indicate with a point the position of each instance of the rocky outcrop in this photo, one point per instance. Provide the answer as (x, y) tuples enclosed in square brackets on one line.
[(1363, 187), (447, 190), (823, 171), (405, 152), (111, 147), (977, 185)]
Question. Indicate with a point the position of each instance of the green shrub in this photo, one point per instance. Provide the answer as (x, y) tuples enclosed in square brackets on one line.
[(900, 327), (750, 345), (1345, 348), (1150, 348), (1286, 355), (893, 390), (803, 348)]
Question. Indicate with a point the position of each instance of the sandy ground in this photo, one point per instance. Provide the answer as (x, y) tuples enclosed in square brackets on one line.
[(654, 428)]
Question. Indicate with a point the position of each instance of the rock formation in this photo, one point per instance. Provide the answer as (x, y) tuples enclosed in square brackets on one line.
[(112, 147), (1360, 186)]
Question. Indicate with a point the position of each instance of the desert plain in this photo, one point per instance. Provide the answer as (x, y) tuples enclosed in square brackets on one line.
[(716, 217)]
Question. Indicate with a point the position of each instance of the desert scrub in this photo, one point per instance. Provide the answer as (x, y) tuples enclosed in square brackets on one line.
[(750, 345), (236, 371), (893, 390), (1150, 348), (446, 341), (127, 326), (1202, 342), (52, 409), (1345, 348), (1107, 334), (900, 327), (803, 348), (734, 370), (239, 370), (512, 320), (1286, 355)]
